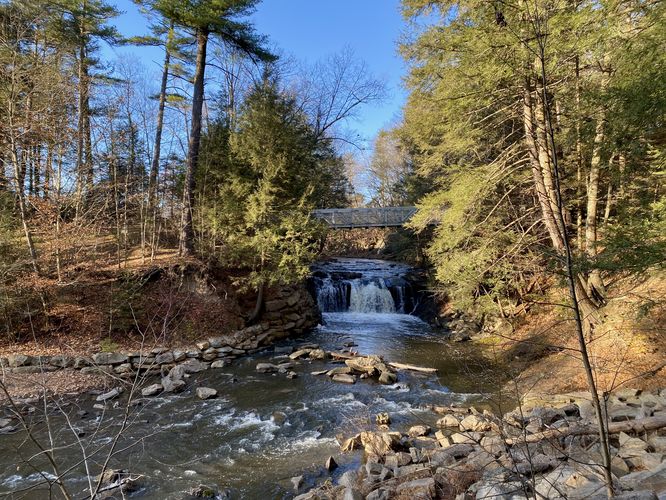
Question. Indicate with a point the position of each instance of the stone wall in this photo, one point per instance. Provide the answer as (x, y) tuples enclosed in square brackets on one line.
[(289, 312)]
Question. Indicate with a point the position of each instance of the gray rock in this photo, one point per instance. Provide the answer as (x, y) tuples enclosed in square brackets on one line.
[(636, 495), (179, 356), (220, 363), (297, 482), (448, 421), (379, 494), (349, 479), (344, 378), (206, 393), (173, 385), (193, 366), (16, 360), (352, 494), (266, 368), (419, 489), (474, 423), (152, 390), (388, 378), (331, 464), (4, 422), (122, 369), (202, 346), (113, 393), (164, 358), (209, 354), (418, 430), (159, 350), (109, 358), (62, 361), (215, 342)]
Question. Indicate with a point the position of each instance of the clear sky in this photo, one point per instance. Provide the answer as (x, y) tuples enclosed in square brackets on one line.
[(312, 29)]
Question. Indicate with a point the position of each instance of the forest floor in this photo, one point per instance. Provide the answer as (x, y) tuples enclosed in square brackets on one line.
[(628, 349)]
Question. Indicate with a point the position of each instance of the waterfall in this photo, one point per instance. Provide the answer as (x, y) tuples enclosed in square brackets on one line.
[(362, 286), (371, 297)]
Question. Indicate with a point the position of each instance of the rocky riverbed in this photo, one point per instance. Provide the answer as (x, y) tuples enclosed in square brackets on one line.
[(546, 448)]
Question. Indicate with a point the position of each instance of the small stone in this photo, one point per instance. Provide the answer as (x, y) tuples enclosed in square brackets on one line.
[(331, 464), (206, 393), (266, 368), (344, 378), (383, 419), (202, 346), (151, 390), (164, 358), (297, 482), (109, 358), (220, 363), (113, 393), (388, 378), (448, 421), (292, 375), (418, 430)]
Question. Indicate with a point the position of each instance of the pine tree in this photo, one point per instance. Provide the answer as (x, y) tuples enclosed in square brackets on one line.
[(208, 17)]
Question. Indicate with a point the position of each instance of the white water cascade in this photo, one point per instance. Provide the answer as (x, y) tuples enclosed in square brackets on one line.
[(362, 286), (373, 297)]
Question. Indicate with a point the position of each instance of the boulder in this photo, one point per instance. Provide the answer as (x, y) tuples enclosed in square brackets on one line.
[(62, 361), (206, 393), (164, 358), (418, 430), (193, 366), (388, 378), (300, 353), (16, 360), (474, 423), (448, 421), (152, 390), (380, 443), (319, 354), (331, 464), (266, 368), (348, 479), (220, 363), (344, 379), (109, 358), (113, 393), (352, 494), (418, 489), (297, 482)]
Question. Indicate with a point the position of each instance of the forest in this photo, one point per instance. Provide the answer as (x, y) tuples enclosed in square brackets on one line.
[(178, 203)]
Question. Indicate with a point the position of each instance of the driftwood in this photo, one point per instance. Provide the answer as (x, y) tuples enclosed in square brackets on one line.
[(414, 368), (641, 425)]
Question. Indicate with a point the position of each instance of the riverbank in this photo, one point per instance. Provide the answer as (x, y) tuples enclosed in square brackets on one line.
[(546, 447)]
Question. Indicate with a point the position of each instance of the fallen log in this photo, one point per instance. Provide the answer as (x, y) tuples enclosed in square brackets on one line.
[(414, 368), (640, 425)]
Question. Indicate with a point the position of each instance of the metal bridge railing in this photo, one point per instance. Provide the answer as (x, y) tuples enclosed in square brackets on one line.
[(348, 218)]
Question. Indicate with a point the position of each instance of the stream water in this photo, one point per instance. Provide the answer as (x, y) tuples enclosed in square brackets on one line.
[(263, 429)]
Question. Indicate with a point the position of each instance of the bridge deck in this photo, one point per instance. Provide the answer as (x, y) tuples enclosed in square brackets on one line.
[(348, 218)]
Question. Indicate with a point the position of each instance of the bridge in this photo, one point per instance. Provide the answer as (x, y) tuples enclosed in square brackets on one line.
[(349, 218)]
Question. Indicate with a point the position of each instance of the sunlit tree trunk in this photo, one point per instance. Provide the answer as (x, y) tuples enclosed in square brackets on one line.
[(186, 229)]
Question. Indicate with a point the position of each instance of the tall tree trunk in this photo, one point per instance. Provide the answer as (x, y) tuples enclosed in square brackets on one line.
[(595, 284), (155, 163), (579, 163), (187, 231)]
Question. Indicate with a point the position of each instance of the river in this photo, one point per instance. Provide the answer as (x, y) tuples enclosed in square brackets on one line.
[(263, 429)]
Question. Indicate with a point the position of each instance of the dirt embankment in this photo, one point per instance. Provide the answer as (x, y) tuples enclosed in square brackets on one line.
[(539, 353)]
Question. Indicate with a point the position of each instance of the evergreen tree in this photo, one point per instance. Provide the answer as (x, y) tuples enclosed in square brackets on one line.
[(206, 17)]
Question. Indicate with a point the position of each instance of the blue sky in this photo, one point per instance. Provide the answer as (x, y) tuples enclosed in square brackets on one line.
[(312, 29)]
